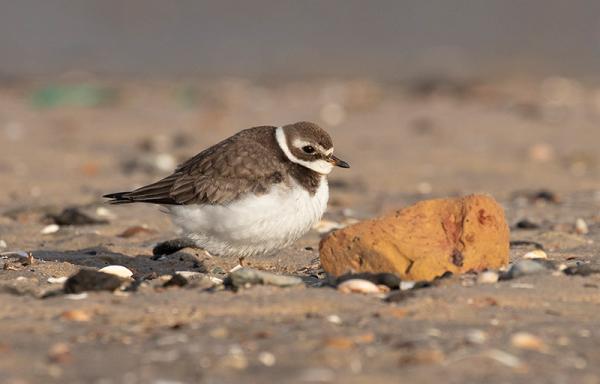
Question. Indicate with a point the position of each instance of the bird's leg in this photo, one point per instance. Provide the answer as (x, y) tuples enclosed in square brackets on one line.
[(171, 246), (241, 261)]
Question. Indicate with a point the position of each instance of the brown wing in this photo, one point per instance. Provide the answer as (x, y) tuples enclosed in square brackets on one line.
[(241, 164)]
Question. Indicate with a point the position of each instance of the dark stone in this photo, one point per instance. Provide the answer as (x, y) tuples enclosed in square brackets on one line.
[(581, 270), (73, 216), (527, 267), (171, 246), (91, 280), (526, 224), (399, 296), (176, 281)]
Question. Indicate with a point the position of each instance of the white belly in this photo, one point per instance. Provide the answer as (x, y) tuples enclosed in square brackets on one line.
[(254, 224)]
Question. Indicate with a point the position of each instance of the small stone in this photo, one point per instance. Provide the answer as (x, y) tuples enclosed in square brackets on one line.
[(267, 359), (117, 270), (57, 280), (390, 280), (476, 336), (77, 296), (526, 267), (581, 227), (3, 245), (60, 353), (91, 280), (74, 216), (104, 212), (76, 315), (407, 285), (248, 276), (358, 286), (580, 270), (334, 319), (488, 277), (535, 254), (504, 358), (189, 274), (524, 340), (134, 231), (541, 152), (526, 224), (176, 280), (326, 226), (49, 229)]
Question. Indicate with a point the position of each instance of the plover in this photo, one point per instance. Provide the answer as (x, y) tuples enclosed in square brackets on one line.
[(252, 194)]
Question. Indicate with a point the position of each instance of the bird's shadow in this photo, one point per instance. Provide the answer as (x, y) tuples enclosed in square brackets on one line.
[(140, 265)]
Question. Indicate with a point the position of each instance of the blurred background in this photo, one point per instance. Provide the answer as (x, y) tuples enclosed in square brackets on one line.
[(424, 98), (384, 38)]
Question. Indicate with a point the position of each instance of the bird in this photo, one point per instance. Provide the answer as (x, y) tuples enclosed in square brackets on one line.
[(251, 194)]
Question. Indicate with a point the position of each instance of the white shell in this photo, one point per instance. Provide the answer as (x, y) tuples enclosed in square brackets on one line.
[(581, 227), (358, 286), (524, 340), (48, 229), (117, 270), (488, 277), (535, 254), (57, 280)]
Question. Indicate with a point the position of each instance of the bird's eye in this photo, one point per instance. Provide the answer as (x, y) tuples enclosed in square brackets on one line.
[(308, 149)]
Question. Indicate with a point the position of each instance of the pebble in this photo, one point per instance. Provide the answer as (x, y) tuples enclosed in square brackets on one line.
[(134, 231), (176, 280), (57, 280), (525, 340), (3, 244), (117, 270), (60, 353), (488, 277), (535, 254), (76, 315), (334, 319), (407, 285), (267, 359), (189, 274), (247, 276), (48, 229), (91, 280), (326, 226), (358, 286), (476, 336), (581, 227), (104, 212), (580, 270), (504, 358), (389, 280), (74, 216), (77, 296), (525, 267)]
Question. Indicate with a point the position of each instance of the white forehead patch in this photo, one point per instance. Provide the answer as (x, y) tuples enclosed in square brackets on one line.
[(320, 166)]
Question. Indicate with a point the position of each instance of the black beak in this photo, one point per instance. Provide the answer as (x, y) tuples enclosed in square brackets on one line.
[(338, 162)]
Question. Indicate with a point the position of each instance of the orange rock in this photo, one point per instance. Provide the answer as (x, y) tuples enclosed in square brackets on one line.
[(423, 241)]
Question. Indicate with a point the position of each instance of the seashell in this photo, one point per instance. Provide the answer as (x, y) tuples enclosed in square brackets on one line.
[(581, 227), (524, 340), (535, 254), (117, 270), (488, 277), (57, 280), (48, 229), (358, 286)]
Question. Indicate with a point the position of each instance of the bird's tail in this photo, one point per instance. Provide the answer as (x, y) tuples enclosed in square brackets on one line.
[(119, 198)]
